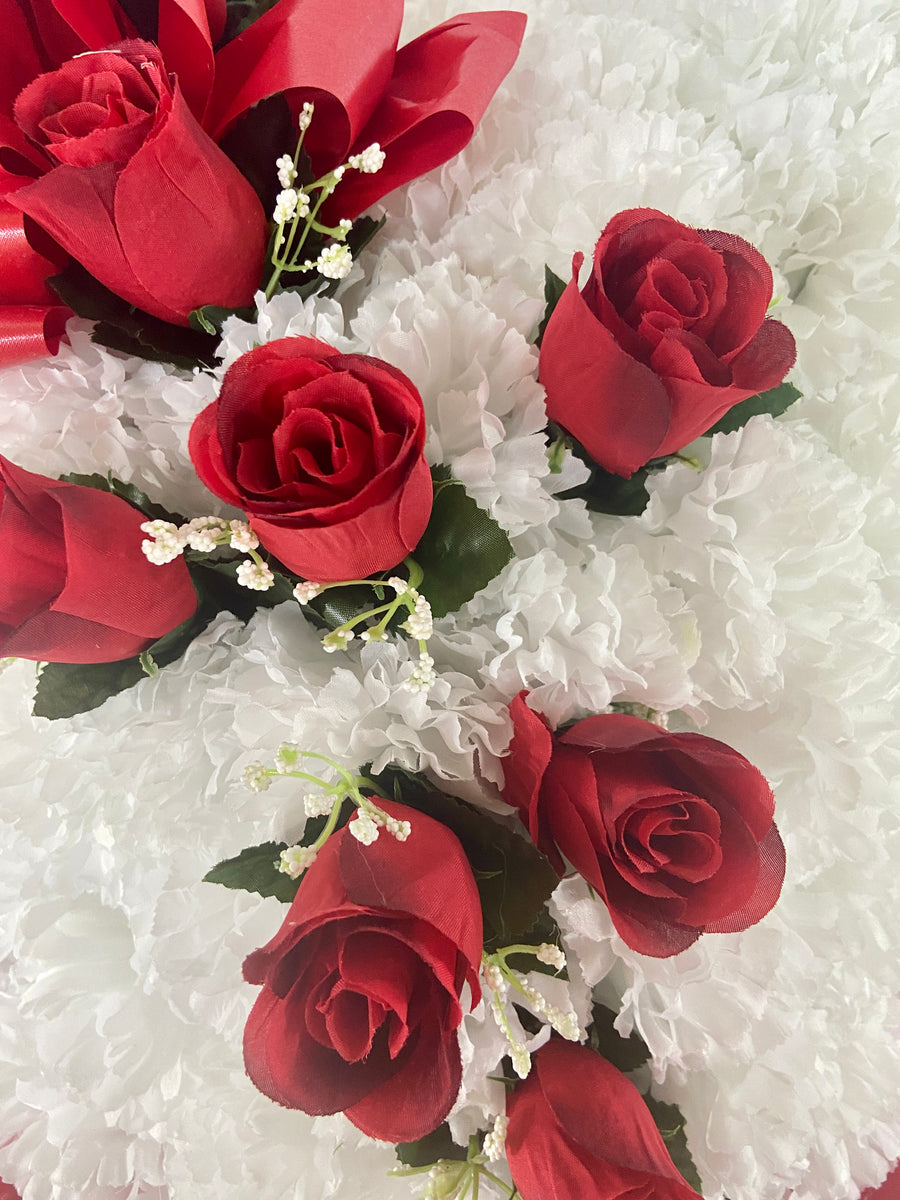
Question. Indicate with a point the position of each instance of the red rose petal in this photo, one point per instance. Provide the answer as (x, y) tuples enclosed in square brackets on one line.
[(613, 404)]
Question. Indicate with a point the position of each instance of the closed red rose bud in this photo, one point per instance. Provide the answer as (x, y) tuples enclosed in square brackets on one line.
[(579, 1130), (668, 334), (323, 451), (134, 189), (674, 831), (362, 987), (74, 584)]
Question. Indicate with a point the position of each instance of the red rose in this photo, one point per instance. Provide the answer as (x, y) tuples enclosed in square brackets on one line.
[(561, 1148), (135, 190), (74, 585), (673, 830), (667, 335), (362, 985), (323, 451)]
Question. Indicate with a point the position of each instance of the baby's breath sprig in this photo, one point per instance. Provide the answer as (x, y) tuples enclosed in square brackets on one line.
[(500, 978), (457, 1179), (206, 534), (326, 801), (418, 624), (296, 212)]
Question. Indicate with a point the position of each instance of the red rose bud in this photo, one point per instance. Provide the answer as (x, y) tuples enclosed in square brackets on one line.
[(74, 584), (667, 335), (674, 831), (561, 1148), (135, 190), (323, 451), (362, 986)]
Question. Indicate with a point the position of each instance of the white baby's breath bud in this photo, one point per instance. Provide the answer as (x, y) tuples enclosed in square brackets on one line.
[(423, 676), (521, 1059), (495, 1141), (373, 635), (399, 585), (338, 173), (419, 623), (287, 172), (295, 860), (344, 226), (335, 261), (204, 533), (338, 639), (369, 161), (304, 592), (161, 552), (242, 537), (306, 116), (398, 829), (551, 955), (363, 829), (318, 804), (565, 1023), (285, 206), (256, 777), (493, 977), (255, 576), (166, 545), (286, 757)]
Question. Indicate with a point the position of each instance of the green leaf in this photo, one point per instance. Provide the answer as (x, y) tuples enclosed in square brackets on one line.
[(428, 1149), (514, 879), (776, 401), (211, 317), (260, 136), (255, 870), (670, 1124), (461, 551), (625, 1053), (553, 289), (121, 326), (335, 607), (65, 689)]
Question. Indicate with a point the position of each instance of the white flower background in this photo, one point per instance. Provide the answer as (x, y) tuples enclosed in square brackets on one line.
[(757, 596)]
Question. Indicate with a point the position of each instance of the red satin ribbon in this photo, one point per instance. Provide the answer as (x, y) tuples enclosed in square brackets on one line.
[(32, 321)]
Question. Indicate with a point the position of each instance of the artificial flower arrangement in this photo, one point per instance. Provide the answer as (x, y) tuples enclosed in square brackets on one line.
[(134, 186)]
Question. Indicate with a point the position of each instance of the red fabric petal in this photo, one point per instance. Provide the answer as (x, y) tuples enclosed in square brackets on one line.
[(440, 87), (415, 1099), (526, 761), (614, 405), (101, 599), (186, 42), (207, 242), (373, 540), (337, 53), (767, 890), (560, 1148), (889, 1190)]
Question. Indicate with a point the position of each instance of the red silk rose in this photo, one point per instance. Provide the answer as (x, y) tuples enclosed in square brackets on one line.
[(422, 103), (674, 831), (561, 1148), (362, 984), (74, 585), (323, 451), (668, 334), (135, 190)]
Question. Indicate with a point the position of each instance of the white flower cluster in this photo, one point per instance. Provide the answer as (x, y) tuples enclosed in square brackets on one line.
[(294, 860), (206, 534), (369, 161), (369, 820), (289, 203)]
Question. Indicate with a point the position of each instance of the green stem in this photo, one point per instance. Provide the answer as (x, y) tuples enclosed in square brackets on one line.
[(329, 824)]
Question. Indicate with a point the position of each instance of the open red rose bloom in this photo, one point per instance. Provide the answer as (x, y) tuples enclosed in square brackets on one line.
[(115, 154), (674, 831), (362, 985), (323, 451), (669, 333)]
